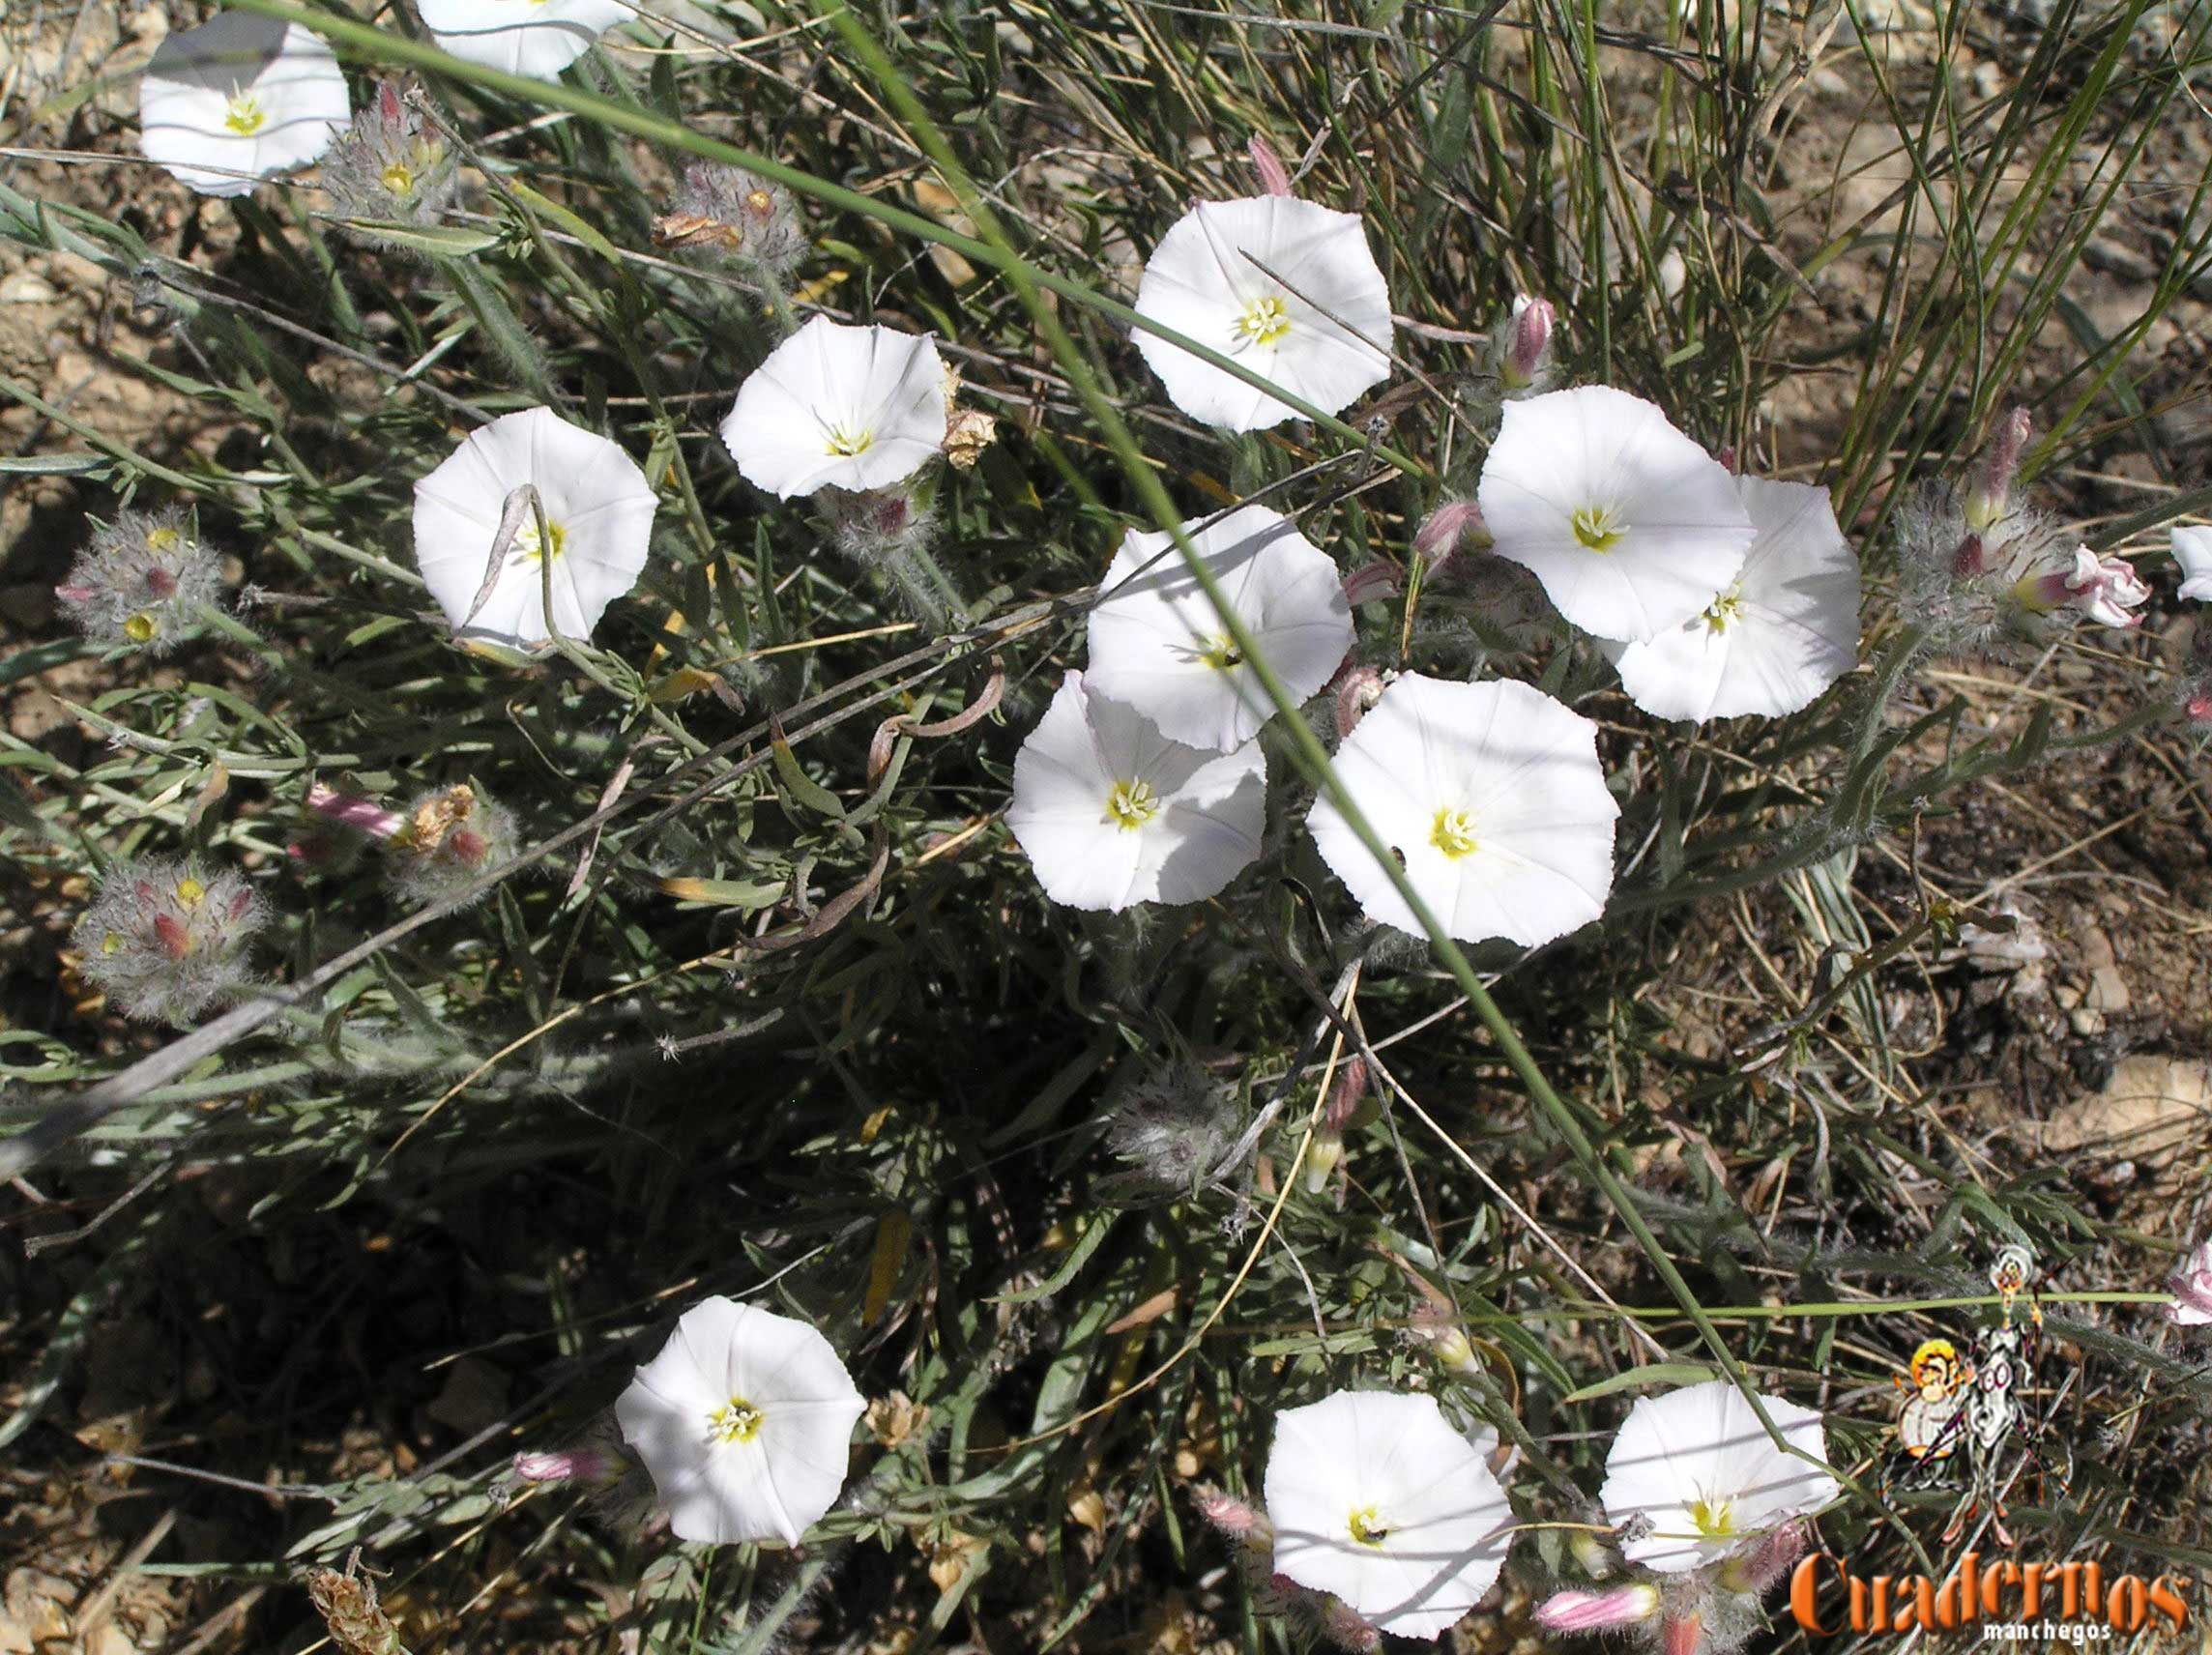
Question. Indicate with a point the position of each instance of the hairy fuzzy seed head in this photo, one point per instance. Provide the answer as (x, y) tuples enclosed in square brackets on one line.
[(141, 583), (727, 211), (448, 837), (167, 940), (1174, 1127), (390, 166)]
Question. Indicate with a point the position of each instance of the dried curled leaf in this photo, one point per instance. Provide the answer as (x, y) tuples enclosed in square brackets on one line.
[(347, 1603)]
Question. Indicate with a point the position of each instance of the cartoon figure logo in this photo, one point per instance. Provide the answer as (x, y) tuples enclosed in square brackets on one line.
[(1977, 1406)]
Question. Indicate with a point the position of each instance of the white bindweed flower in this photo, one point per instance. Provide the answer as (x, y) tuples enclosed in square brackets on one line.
[(1632, 527), (852, 408), (1700, 1471), (1493, 800), (2191, 1284), (1779, 634), (744, 1420), (2192, 552), (1316, 321), (1157, 645), (226, 104), (1113, 813), (1377, 1500), (535, 38), (599, 515)]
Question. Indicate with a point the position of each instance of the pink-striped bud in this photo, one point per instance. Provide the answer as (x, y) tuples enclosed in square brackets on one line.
[(1991, 483), (387, 101), (1681, 1634), (1528, 348), (1235, 1519), (353, 811), (1765, 1564), (1598, 1611), (1356, 692), (1444, 529), (1274, 176), (571, 1465), (1371, 582), (1970, 561)]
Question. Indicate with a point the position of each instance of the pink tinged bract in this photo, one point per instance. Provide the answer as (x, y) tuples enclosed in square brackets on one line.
[(1113, 813), (1315, 321), (1697, 1471), (1782, 630), (1375, 1499), (597, 503), (1492, 799), (533, 37), (238, 98), (1156, 644), (833, 406), (745, 1420), (1631, 527)]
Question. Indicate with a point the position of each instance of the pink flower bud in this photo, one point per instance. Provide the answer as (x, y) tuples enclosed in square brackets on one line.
[(1356, 692), (1442, 530), (1531, 342), (1765, 1564), (575, 1464), (2192, 1284), (1346, 1095), (367, 815), (1370, 581), (75, 594), (1345, 1627), (1681, 1634), (1598, 1611), (1968, 562), (1274, 178), (387, 101), (1233, 1518), (1993, 473)]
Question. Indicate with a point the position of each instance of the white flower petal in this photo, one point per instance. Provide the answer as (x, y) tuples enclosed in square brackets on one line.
[(1153, 630), (1191, 820), (593, 496), (1322, 315), (855, 408), (774, 1484), (1432, 1514), (1700, 1452), (1783, 632), (2193, 551), (1594, 461), (1493, 796), (238, 98), (535, 38)]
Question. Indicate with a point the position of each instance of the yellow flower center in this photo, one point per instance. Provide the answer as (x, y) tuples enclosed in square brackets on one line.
[(529, 546), (1221, 653), (1132, 804), (141, 627), (163, 540), (1715, 1519), (191, 892), (399, 177), (845, 444), (1598, 527), (1453, 833), (244, 114), (735, 1421), (1367, 1527), (1263, 322), (1725, 611), (111, 944)]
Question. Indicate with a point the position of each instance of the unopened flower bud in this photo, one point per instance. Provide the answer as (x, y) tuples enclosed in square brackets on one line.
[(1525, 347), (568, 1466), (167, 939), (1346, 1628), (1235, 1519), (1755, 1570), (1324, 1155), (1444, 529), (1598, 1611), (1681, 1634), (1594, 1553), (141, 583), (1274, 176), (1370, 582), (354, 811), (1991, 483), (1356, 693)]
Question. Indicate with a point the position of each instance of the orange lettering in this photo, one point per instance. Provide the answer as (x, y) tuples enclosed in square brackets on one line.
[(2127, 1605), (2070, 1591), (2031, 1591), (2166, 1598), (1804, 1585)]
